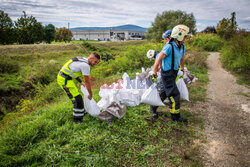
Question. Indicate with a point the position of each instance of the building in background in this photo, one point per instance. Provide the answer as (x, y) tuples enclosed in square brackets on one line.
[(119, 33)]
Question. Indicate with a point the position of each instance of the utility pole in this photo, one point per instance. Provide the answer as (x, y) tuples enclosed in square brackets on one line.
[(24, 14), (68, 32)]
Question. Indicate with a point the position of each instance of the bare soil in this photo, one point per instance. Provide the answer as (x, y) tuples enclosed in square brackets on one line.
[(226, 117)]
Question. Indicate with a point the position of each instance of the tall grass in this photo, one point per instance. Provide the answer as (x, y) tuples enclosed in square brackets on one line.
[(196, 64), (35, 48), (207, 42)]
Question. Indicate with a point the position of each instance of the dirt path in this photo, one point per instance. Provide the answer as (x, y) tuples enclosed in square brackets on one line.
[(227, 119)]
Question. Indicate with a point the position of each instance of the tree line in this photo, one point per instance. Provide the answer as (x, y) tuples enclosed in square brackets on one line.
[(27, 30), (226, 28)]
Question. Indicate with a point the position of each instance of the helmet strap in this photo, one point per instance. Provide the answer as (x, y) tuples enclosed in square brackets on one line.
[(178, 43)]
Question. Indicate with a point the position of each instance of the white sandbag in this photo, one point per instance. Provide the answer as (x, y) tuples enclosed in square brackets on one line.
[(126, 80), (182, 89), (152, 97), (141, 86), (180, 73), (103, 104), (128, 97), (103, 91), (109, 93), (90, 105)]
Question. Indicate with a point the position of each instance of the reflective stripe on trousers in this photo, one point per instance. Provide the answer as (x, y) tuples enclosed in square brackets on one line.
[(73, 94), (78, 112), (173, 110), (170, 89)]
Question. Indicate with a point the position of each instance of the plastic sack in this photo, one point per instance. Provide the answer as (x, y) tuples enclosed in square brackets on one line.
[(113, 110), (90, 105), (128, 97), (103, 103), (152, 97), (180, 73), (182, 89)]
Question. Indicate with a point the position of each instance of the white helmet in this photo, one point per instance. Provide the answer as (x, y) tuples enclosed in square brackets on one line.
[(151, 53), (180, 31)]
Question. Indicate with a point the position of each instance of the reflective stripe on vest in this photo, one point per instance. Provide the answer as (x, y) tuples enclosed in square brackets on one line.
[(66, 69)]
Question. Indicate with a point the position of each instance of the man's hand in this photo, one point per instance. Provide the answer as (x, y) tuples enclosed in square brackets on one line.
[(88, 86), (90, 97), (155, 75), (83, 84), (182, 70)]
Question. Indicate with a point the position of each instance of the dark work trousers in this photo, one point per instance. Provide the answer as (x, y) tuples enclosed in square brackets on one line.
[(169, 90)]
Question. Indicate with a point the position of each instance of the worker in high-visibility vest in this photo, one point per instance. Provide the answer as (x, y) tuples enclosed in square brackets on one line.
[(73, 69)]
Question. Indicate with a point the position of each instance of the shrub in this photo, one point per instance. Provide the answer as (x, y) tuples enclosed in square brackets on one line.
[(8, 65), (196, 60), (10, 83), (134, 57), (45, 72), (235, 55), (208, 42), (88, 46)]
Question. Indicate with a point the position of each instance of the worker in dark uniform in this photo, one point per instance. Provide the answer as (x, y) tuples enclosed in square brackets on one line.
[(171, 57)]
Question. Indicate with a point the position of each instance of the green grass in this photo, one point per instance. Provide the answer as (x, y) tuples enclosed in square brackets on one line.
[(40, 132), (74, 41), (196, 64), (49, 137)]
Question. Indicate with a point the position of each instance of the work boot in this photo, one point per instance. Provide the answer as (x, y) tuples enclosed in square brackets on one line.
[(78, 120), (177, 117), (153, 111)]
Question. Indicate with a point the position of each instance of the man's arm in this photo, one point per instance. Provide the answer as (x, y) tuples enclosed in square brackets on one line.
[(158, 62), (182, 64), (87, 85), (159, 67)]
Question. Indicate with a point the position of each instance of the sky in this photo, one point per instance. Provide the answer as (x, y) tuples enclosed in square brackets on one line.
[(106, 13)]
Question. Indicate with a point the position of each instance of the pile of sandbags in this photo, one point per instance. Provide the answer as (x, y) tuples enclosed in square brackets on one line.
[(127, 92)]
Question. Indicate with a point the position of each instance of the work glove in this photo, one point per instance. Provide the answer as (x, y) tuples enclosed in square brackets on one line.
[(154, 77)]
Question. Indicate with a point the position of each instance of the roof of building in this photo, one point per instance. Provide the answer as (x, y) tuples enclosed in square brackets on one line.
[(128, 27)]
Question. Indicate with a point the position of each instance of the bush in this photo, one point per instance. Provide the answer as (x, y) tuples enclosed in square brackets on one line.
[(196, 60), (88, 46), (45, 72), (235, 55), (7, 65), (208, 42), (134, 57)]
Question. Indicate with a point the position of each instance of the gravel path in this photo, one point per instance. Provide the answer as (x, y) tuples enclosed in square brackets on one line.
[(227, 119)]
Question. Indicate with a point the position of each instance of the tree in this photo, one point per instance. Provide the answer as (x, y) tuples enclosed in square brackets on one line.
[(63, 34), (49, 33), (6, 29), (168, 20), (226, 28), (209, 29), (29, 30)]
